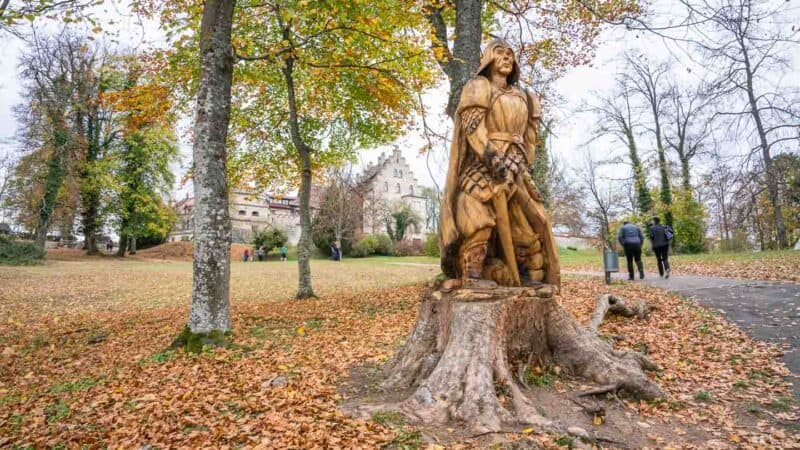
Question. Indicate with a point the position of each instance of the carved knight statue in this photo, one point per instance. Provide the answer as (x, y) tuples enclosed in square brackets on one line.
[(493, 222)]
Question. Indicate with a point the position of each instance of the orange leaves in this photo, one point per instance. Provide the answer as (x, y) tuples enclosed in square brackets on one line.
[(142, 105), (278, 389)]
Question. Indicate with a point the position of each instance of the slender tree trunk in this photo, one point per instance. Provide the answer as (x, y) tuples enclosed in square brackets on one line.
[(304, 287), (770, 176), (663, 168), (685, 174), (212, 227), (132, 249), (56, 173), (645, 202)]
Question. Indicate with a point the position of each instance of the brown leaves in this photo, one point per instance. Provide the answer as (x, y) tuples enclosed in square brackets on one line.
[(276, 388)]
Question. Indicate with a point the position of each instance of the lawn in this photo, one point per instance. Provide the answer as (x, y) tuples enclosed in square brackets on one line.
[(84, 359), (782, 265)]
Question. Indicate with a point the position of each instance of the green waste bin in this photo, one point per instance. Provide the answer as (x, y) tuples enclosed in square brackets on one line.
[(610, 263)]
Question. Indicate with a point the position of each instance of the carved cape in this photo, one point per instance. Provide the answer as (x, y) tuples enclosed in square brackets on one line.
[(476, 93)]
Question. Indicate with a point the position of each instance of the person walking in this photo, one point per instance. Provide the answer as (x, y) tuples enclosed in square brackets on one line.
[(246, 255), (660, 238), (335, 253), (631, 238), (260, 253)]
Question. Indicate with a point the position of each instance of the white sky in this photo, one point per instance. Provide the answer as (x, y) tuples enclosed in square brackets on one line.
[(571, 132)]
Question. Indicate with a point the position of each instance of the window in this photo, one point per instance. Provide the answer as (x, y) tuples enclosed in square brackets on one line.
[(254, 213), (385, 186), (394, 173), (242, 212), (411, 189), (401, 174), (397, 188)]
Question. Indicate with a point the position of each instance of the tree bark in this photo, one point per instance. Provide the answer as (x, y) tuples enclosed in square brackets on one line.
[(611, 304), (469, 354), (210, 309), (770, 177), (304, 287), (56, 172), (90, 195), (123, 245), (460, 64)]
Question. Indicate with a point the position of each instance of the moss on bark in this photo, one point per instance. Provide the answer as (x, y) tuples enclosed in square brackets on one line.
[(195, 342)]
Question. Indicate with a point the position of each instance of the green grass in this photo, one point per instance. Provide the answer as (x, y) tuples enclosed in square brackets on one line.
[(79, 385), (56, 412), (388, 418), (703, 396), (587, 258)]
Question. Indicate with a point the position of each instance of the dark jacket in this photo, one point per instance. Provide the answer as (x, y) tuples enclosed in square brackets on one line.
[(658, 235), (630, 234)]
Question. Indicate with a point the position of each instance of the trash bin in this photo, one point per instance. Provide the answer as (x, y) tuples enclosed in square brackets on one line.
[(610, 263)]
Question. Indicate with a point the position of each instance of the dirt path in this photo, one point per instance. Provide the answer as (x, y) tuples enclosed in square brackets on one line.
[(765, 310)]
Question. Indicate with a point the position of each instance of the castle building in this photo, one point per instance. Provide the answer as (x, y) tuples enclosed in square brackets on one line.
[(250, 213), (387, 186)]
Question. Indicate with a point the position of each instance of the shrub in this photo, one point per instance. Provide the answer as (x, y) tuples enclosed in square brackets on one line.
[(373, 244), (269, 238), (18, 253), (408, 248), (432, 245), (323, 237), (689, 224)]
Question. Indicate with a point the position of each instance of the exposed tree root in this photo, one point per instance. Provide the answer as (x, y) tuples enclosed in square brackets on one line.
[(471, 347), (611, 304)]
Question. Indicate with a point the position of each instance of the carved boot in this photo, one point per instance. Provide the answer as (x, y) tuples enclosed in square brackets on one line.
[(472, 259), (530, 265)]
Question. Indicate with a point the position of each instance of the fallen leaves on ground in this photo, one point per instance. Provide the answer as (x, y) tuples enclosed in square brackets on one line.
[(83, 360)]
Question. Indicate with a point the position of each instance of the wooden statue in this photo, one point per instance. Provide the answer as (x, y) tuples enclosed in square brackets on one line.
[(474, 343), (493, 222)]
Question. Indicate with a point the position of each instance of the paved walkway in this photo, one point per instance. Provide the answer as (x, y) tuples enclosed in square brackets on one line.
[(765, 310)]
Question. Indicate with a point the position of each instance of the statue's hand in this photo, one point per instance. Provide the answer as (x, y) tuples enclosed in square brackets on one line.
[(499, 169)]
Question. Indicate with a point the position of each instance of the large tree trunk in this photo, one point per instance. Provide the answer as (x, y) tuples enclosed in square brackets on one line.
[(56, 172), (469, 353), (460, 64), (643, 199), (123, 245), (90, 192), (212, 226)]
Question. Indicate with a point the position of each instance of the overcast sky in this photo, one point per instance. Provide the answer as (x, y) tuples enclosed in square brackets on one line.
[(571, 132)]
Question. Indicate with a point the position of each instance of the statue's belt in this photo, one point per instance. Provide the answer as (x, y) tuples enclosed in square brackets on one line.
[(506, 137)]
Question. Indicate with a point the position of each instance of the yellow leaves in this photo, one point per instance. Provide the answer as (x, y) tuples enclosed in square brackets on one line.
[(527, 431), (597, 421), (301, 331)]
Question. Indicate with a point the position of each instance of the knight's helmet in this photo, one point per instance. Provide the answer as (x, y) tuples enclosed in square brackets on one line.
[(488, 58)]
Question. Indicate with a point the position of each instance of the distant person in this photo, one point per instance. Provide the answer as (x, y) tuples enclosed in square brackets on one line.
[(335, 253), (246, 255), (660, 238), (109, 245), (284, 252), (260, 253), (631, 238)]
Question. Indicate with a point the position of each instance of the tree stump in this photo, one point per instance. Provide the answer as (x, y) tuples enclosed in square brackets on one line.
[(469, 351)]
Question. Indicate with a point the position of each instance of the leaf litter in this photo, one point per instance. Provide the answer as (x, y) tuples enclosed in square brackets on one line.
[(277, 386)]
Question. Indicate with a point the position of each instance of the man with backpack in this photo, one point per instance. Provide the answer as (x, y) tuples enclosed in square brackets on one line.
[(660, 238), (631, 239)]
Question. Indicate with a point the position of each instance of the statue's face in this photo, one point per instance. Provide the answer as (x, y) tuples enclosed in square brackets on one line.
[(503, 60)]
